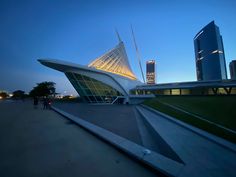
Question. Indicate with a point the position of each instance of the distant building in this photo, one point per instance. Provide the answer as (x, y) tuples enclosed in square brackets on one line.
[(232, 68), (220, 87), (150, 72), (209, 54)]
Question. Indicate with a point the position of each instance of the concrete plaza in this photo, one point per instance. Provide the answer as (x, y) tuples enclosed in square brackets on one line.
[(192, 151), (36, 142)]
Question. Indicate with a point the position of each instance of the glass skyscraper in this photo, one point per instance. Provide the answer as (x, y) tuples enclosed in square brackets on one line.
[(150, 72), (232, 69), (209, 54)]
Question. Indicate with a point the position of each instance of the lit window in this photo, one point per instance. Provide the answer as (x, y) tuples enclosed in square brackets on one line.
[(198, 34), (200, 58), (175, 91), (200, 51), (217, 51)]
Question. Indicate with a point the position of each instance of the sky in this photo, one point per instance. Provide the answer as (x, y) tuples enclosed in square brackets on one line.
[(80, 31)]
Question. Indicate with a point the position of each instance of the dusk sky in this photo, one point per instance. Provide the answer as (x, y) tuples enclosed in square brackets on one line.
[(80, 31)]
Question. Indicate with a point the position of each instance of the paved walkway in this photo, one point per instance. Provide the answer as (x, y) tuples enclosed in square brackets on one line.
[(123, 120), (36, 142), (120, 119)]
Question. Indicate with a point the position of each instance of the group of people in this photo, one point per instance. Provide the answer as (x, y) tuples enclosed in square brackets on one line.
[(46, 102)]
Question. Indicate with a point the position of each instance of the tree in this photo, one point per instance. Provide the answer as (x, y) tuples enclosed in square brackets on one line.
[(3, 94), (18, 94), (43, 89)]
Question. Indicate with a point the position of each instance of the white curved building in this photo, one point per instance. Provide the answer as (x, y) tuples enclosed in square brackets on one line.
[(107, 79)]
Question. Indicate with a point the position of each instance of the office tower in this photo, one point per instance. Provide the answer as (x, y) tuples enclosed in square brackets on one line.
[(209, 54), (150, 72), (232, 68)]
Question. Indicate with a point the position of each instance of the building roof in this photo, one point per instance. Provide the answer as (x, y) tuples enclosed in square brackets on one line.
[(178, 85), (212, 23), (124, 82), (114, 61)]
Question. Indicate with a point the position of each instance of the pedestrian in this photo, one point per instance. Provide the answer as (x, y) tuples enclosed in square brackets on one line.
[(49, 103), (45, 103), (36, 101)]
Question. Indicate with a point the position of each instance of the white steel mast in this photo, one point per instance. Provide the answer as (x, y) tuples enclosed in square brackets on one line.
[(137, 53)]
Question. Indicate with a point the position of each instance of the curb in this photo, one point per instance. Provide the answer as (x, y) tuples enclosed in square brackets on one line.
[(158, 162)]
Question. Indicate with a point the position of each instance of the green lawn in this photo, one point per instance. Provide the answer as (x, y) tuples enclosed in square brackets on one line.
[(218, 109)]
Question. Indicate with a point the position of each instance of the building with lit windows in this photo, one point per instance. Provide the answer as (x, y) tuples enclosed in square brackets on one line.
[(197, 88), (150, 72), (107, 79), (209, 54), (232, 69)]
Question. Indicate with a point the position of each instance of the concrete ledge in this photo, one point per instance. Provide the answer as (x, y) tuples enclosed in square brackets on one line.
[(171, 153), (220, 141), (157, 161)]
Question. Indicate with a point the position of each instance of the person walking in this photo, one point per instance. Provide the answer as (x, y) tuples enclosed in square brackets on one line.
[(45, 103)]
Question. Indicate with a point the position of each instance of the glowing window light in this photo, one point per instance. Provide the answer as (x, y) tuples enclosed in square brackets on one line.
[(198, 34), (200, 58), (200, 51), (217, 51)]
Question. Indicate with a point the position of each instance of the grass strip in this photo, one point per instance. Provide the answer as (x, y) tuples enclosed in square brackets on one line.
[(154, 103)]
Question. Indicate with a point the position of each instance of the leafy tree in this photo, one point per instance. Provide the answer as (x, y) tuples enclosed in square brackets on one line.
[(3, 95), (18, 94), (43, 89)]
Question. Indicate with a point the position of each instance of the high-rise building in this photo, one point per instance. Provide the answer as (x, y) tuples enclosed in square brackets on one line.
[(150, 72), (209, 54), (232, 68)]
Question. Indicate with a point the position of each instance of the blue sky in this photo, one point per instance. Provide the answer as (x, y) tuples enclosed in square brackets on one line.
[(80, 31)]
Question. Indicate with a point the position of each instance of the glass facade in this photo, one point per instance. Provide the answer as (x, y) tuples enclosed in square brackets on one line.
[(150, 72), (188, 91), (223, 87), (209, 54), (232, 68), (94, 91)]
